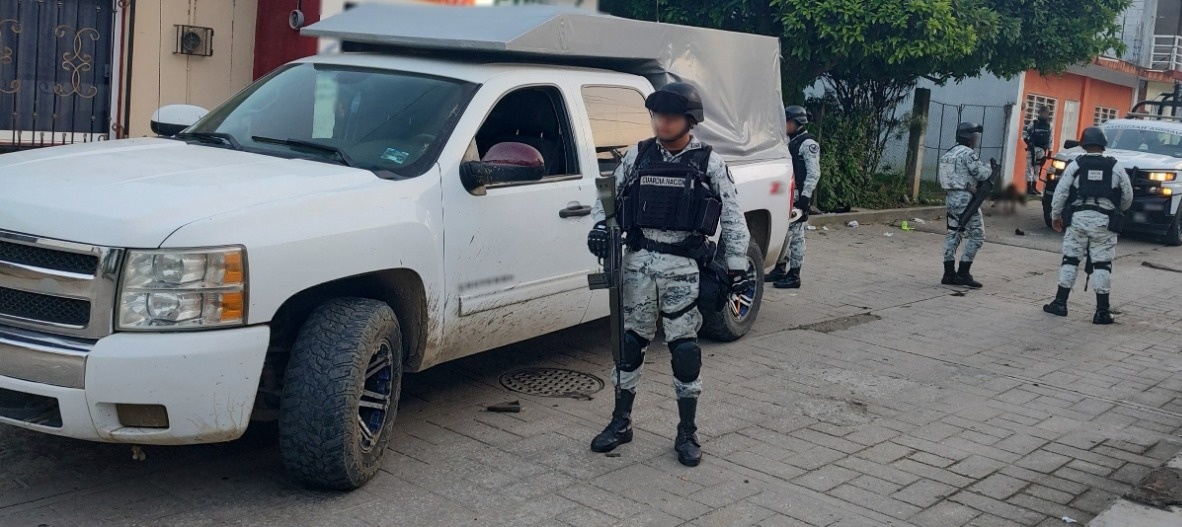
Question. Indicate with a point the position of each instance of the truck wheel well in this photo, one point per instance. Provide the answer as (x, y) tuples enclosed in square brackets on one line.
[(401, 289), (759, 224)]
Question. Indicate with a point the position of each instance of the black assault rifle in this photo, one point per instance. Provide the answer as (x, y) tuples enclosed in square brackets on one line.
[(984, 190), (612, 277)]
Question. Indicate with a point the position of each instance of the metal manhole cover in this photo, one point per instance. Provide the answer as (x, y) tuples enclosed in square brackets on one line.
[(552, 382)]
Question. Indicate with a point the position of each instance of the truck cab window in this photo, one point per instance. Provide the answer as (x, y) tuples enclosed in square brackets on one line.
[(537, 117), (618, 121)]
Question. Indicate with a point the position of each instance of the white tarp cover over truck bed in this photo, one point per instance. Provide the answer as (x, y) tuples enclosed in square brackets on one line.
[(737, 73)]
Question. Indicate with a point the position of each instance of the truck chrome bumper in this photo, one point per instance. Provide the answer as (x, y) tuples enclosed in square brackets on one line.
[(38, 358)]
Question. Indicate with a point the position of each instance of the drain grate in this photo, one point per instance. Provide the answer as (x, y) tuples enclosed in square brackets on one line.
[(552, 382)]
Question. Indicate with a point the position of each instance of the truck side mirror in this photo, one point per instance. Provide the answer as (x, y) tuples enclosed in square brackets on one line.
[(172, 119), (504, 163), (1070, 143)]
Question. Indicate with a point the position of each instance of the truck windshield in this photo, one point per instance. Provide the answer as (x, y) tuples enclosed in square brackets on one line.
[(389, 122), (1145, 140)]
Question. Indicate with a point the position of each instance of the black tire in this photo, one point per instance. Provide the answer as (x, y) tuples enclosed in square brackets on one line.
[(1173, 238), (727, 325), (333, 424)]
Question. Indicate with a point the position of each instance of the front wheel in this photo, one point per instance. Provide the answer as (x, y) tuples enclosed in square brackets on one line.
[(1173, 238), (341, 393), (740, 310)]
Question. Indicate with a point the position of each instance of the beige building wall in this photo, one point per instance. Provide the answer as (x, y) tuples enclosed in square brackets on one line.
[(161, 77)]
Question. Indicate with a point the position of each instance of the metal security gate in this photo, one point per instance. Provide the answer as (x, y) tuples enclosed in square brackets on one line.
[(55, 71), (941, 131)]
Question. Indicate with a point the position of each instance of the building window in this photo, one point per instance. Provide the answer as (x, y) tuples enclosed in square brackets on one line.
[(1033, 103), (1103, 115)]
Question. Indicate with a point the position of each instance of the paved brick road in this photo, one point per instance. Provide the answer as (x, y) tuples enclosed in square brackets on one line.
[(872, 397)]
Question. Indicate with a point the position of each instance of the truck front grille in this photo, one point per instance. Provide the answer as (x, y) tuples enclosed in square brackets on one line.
[(48, 258), (56, 287), (55, 309)]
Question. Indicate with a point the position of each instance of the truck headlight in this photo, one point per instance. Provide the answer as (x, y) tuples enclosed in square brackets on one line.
[(1058, 164), (183, 289), (1162, 176)]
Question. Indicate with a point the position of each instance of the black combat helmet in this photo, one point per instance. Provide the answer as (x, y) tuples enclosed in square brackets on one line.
[(677, 98), (968, 133), (1094, 136), (796, 113)]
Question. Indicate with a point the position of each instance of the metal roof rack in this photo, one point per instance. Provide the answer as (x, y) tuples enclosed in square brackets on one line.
[(1157, 108)]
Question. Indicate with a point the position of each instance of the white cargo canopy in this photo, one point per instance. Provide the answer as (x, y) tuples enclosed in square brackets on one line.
[(737, 73)]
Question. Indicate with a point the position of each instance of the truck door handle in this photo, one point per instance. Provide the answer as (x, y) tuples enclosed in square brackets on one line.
[(575, 210)]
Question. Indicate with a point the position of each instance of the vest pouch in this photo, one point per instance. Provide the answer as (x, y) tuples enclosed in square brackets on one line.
[(708, 217)]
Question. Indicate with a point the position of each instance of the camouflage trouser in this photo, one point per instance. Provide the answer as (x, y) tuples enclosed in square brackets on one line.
[(1088, 227), (656, 283), (957, 201), (1035, 159), (794, 256)]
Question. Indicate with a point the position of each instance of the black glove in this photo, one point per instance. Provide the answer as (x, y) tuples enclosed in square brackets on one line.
[(740, 281), (803, 203), (598, 240)]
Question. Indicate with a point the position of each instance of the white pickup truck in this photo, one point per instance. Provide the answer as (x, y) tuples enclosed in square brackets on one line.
[(294, 252)]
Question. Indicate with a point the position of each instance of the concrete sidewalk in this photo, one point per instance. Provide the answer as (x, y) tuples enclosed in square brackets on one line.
[(873, 396)]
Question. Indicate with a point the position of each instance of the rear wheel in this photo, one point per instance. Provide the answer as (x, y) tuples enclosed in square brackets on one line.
[(341, 393), (739, 313)]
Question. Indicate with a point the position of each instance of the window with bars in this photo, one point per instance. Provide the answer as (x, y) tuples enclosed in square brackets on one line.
[(1103, 115), (1033, 103)]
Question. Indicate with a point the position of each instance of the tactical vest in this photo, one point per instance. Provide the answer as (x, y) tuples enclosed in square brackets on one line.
[(1093, 175), (668, 196), (1040, 134), (799, 170)]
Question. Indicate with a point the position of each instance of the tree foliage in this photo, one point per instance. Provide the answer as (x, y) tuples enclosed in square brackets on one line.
[(869, 54)]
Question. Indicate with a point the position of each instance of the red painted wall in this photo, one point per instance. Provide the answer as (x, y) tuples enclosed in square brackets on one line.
[(1089, 92), (275, 42)]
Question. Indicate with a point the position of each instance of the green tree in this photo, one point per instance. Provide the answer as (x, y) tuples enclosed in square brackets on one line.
[(870, 54)]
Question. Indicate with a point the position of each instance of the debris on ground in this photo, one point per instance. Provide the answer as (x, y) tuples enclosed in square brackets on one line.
[(852, 224), (1068, 519), (137, 453), (888, 234), (510, 407), (917, 221), (812, 227), (612, 454), (823, 227), (1019, 232), (905, 226)]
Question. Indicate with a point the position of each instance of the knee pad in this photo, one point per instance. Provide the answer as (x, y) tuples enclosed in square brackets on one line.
[(1071, 260), (1107, 266), (687, 359), (632, 356)]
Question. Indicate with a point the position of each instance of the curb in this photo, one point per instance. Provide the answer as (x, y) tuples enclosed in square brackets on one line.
[(1126, 513), (876, 216)]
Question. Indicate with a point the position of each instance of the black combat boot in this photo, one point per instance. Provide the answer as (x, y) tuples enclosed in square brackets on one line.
[(689, 452), (1102, 316), (1058, 306), (790, 280), (778, 273), (619, 430), (963, 277), (949, 273)]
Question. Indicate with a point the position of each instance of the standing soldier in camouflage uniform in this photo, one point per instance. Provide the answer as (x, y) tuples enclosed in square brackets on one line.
[(661, 266), (1090, 190), (806, 171), (960, 171), (1038, 143)]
